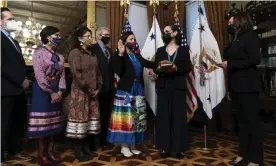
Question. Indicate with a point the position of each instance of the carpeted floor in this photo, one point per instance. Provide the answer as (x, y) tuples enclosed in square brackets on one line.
[(222, 149)]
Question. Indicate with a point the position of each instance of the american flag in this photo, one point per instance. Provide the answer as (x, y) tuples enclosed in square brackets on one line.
[(191, 98), (126, 28)]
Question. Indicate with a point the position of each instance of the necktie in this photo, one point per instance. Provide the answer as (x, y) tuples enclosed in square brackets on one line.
[(106, 54)]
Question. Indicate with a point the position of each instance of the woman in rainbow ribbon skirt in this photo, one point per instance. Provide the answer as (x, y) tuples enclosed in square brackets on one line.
[(128, 117)]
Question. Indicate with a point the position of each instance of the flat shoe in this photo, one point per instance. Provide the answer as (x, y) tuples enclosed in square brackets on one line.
[(127, 154), (136, 152)]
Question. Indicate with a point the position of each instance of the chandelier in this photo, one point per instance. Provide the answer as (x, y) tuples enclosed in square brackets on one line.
[(28, 36)]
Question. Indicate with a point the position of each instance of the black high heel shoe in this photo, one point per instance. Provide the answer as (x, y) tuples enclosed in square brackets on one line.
[(237, 163), (180, 155), (164, 154)]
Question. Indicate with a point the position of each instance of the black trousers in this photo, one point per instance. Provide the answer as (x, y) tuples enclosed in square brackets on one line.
[(171, 120), (250, 127), (106, 102), (13, 123)]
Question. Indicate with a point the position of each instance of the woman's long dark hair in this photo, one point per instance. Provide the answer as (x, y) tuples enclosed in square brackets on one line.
[(243, 23), (175, 28), (79, 33)]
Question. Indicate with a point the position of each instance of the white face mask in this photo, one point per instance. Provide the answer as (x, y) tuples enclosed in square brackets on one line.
[(11, 26)]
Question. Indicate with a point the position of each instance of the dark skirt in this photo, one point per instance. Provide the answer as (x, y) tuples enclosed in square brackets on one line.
[(45, 117), (171, 120)]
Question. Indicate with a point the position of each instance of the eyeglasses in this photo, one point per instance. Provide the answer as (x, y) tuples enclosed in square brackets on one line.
[(105, 35), (88, 36)]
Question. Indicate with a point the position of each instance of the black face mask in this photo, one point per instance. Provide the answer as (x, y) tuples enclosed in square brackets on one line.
[(105, 40), (167, 38), (231, 29)]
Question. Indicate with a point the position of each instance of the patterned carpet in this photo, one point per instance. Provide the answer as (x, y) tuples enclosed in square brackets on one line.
[(224, 149)]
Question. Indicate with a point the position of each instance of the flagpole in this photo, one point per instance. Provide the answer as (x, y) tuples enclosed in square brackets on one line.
[(154, 22), (125, 4), (201, 49), (200, 38), (154, 4), (176, 10)]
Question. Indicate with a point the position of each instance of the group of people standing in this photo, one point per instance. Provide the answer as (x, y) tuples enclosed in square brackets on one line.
[(96, 106)]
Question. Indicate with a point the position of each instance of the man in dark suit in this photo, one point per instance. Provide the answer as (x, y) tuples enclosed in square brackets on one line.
[(104, 55), (13, 84)]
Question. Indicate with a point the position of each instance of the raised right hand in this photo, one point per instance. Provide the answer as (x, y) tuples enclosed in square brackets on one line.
[(121, 47)]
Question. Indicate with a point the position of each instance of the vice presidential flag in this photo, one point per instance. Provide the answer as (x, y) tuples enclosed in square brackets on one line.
[(209, 79)]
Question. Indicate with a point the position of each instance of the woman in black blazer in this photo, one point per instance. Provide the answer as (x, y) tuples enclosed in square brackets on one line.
[(171, 119), (244, 85), (128, 117)]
